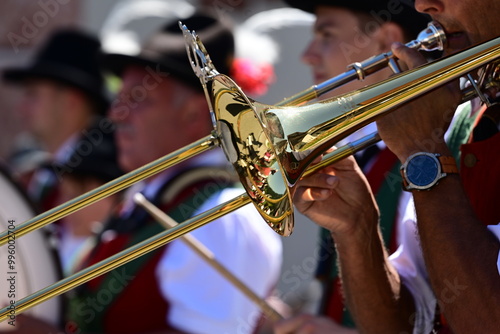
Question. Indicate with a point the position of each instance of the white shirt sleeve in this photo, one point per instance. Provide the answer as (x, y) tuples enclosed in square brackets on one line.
[(202, 300), (496, 231), (408, 261)]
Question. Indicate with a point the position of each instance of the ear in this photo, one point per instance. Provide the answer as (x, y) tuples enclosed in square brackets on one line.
[(389, 33), (195, 116)]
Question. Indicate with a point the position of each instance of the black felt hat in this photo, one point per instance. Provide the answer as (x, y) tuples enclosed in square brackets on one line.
[(166, 49), (95, 154), (70, 57), (401, 12)]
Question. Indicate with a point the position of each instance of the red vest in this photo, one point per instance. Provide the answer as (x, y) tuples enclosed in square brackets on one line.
[(479, 167), (480, 174)]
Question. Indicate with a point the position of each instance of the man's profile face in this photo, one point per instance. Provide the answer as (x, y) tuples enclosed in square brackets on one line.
[(339, 39), (147, 118), (466, 22), (42, 106)]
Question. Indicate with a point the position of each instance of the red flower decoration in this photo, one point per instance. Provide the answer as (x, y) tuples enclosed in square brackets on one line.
[(254, 79)]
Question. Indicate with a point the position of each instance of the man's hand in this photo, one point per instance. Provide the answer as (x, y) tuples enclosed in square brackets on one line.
[(419, 125), (338, 198)]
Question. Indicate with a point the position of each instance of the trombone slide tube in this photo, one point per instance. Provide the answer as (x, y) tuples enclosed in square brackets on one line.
[(135, 251), (111, 187), (125, 256), (356, 71), (345, 151)]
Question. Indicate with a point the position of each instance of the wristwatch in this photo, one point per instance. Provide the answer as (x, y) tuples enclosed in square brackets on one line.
[(423, 170)]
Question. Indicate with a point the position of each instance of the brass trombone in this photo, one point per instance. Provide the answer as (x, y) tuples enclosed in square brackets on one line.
[(271, 147), (432, 38)]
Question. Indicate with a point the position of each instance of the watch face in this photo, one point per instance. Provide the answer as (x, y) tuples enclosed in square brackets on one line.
[(422, 170)]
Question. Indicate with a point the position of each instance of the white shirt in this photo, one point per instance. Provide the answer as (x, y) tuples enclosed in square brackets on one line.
[(409, 262), (495, 229), (203, 301)]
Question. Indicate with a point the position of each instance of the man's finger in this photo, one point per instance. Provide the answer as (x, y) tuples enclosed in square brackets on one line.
[(411, 57)]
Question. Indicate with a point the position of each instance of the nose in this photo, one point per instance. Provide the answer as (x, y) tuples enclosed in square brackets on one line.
[(429, 6), (310, 55), (23, 106)]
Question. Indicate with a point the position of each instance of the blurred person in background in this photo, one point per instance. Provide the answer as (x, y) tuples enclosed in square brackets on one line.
[(160, 108), (92, 164), (64, 92)]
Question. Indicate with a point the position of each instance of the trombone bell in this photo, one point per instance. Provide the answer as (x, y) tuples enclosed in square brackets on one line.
[(271, 147), (253, 149)]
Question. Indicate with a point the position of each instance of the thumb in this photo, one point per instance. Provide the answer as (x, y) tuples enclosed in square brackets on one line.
[(411, 57)]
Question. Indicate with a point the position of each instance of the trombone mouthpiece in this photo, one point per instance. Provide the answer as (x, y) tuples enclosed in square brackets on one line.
[(432, 38)]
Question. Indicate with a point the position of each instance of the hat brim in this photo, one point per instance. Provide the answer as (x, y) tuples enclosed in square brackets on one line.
[(411, 21), (310, 6), (62, 74), (117, 63)]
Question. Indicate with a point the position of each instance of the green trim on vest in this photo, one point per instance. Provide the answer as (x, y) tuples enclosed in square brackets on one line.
[(387, 199), (460, 131)]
